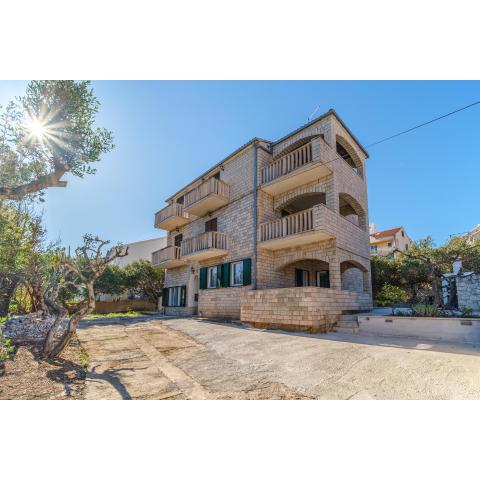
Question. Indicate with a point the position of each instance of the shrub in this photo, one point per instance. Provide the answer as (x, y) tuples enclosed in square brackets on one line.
[(6, 347), (466, 311), (422, 310), (391, 296)]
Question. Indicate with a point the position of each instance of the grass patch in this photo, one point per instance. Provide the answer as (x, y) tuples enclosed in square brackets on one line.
[(83, 358), (132, 313)]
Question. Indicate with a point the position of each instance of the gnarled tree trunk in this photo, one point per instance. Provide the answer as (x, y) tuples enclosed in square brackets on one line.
[(8, 283)]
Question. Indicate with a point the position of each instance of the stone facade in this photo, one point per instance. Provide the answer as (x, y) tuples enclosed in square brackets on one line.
[(313, 210), (468, 291)]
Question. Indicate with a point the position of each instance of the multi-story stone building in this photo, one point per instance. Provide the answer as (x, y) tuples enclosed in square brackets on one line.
[(275, 234), (389, 243)]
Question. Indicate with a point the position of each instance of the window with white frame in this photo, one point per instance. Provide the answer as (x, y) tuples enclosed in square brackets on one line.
[(174, 296), (212, 277), (236, 274)]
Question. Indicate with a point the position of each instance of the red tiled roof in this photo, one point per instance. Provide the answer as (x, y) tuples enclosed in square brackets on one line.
[(386, 233)]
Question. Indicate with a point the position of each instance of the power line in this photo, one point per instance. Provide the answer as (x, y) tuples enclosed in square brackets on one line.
[(423, 124)]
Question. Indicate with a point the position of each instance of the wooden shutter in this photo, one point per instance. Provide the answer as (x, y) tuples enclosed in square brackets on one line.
[(224, 272), (247, 271), (203, 278), (298, 277), (183, 295), (165, 297)]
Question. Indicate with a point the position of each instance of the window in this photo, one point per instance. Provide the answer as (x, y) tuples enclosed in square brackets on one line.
[(406, 246), (178, 239), (174, 296), (323, 279), (212, 277), (211, 225), (373, 248), (403, 233), (389, 244), (302, 278), (236, 274)]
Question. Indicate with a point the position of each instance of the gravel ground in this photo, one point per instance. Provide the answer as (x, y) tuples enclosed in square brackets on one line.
[(27, 377)]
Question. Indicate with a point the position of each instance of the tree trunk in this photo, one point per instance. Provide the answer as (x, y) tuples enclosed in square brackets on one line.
[(56, 343), (8, 283)]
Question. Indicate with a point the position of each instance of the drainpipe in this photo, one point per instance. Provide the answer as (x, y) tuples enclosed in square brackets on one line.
[(255, 216)]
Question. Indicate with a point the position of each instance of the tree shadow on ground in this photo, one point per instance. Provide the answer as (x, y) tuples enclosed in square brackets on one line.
[(111, 375), (110, 321)]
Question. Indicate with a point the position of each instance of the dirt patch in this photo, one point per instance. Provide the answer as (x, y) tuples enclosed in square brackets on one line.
[(28, 377)]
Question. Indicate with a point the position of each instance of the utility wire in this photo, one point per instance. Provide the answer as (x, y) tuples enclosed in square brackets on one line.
[(337, 157), (423, 124)]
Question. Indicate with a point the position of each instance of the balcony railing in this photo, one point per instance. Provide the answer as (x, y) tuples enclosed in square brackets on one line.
[(167, 257), (290, 225), (288, 163), (208, 244), (208, 196), (307, 226), (171, 217), (293, 170)]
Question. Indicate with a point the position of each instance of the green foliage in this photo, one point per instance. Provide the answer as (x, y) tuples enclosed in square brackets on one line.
[(391, 295), (49, 129), (6, 347), (423, 310), (144, 279), (466, 311), (112, 281), (83, 358), (96, 316)]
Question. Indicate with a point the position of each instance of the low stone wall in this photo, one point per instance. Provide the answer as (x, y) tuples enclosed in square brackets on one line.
[(309, 309), (465, 330), (27, 328), (124, 306), (221, 302)]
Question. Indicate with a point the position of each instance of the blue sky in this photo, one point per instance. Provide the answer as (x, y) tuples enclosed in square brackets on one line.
[(167, 133)]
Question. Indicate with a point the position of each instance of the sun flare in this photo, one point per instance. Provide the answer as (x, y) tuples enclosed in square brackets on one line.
[(37, 129)]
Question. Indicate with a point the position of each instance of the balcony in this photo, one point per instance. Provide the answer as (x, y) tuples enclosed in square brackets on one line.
[(291, 171), (171, 217), (209, 196), (168, 257), (308, 226), (205, 245)]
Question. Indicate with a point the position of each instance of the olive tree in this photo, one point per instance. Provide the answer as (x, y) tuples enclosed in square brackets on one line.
[(79, 273)]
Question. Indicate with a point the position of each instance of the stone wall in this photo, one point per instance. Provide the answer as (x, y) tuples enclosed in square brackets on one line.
[(468, 291), (308, 309)]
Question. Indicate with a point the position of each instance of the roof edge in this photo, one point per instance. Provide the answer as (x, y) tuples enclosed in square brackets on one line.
[(331, 111)]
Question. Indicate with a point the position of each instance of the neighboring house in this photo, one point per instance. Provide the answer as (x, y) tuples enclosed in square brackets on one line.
[(276, 234), (474, 233), (389, 243), (141, 250)]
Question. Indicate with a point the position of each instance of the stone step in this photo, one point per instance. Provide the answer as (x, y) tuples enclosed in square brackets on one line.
[(347, 324)]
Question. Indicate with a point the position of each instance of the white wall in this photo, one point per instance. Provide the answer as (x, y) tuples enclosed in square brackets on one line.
[(141, 251)]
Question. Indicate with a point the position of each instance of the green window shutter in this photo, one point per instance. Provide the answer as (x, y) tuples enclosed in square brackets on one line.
[(298, 277), (165, 297), (225, 274), (183, 295), (247, 271), (203, 278)]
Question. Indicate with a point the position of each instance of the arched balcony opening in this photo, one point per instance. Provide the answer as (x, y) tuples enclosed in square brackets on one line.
[(351, 210), (306, 273), (347, 152), (302, 202), (354, 276)]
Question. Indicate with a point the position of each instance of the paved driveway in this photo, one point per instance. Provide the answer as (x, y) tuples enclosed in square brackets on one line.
[(191, 358)]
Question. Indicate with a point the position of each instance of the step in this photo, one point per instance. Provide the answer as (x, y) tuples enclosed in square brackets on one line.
[(347, 324)]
